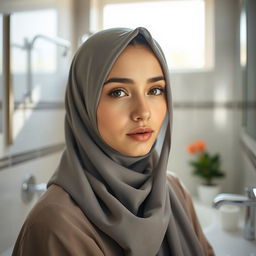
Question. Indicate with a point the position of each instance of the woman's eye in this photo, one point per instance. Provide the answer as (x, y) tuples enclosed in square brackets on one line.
[(117, 93), (156, 91)]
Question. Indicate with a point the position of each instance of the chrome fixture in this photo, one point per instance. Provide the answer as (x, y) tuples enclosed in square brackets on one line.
[(55, 40), (29, 188), (249, 201), (28, 46)]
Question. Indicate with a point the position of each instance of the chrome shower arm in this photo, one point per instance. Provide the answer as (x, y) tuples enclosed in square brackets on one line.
[(55, 40)]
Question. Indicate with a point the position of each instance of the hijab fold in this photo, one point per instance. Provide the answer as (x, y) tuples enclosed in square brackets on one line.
[(126, 197)]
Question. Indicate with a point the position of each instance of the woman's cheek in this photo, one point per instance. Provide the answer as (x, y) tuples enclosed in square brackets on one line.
[(111, 116), (159, 108)]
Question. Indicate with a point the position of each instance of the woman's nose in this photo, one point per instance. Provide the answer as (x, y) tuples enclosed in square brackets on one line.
[(140, 110)]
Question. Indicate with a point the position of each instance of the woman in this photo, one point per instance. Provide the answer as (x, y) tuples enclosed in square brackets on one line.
[(111, 194)]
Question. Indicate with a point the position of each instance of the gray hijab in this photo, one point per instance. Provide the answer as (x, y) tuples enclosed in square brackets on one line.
[(127, 198)]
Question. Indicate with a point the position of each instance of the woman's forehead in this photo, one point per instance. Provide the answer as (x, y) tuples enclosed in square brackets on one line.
[(136, 60)]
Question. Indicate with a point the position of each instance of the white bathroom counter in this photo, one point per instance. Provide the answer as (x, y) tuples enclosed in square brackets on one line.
[(224, 243)]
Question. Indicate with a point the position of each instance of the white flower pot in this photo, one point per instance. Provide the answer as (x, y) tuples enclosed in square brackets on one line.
[(206, 193)]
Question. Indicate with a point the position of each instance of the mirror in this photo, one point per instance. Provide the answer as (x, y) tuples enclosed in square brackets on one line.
[(248, 67), (249, 21)]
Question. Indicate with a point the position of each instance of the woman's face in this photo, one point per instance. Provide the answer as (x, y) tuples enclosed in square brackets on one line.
[(132, 105)]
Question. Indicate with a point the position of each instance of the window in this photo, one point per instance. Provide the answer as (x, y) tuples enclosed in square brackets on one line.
[(179, 27)]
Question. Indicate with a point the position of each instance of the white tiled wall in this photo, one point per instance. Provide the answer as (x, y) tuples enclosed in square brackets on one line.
[(13, 209), (217, 130), (221, 127)]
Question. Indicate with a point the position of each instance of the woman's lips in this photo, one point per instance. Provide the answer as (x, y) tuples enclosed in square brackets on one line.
[(141, 134)]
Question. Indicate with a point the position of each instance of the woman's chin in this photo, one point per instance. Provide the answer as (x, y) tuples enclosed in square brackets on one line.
[(135, 152)]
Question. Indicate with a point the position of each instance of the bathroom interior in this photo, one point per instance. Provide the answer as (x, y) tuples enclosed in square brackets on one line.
[(210, 49)]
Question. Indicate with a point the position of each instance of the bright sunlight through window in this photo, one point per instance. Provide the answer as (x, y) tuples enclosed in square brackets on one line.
[(178, 26)]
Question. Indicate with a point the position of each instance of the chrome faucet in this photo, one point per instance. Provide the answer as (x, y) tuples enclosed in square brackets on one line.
[(249, 201)]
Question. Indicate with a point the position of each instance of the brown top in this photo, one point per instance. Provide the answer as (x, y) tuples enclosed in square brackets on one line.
[(57, 226)]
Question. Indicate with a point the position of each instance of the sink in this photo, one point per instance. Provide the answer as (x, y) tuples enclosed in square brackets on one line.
[(224, 243), (207, 216)]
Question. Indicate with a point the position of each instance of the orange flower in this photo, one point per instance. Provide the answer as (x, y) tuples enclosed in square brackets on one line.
[(191, 148), (200, 144), (197, 146)]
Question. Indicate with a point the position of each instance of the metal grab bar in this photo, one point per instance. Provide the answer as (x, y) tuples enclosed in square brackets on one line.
[(29, 188)]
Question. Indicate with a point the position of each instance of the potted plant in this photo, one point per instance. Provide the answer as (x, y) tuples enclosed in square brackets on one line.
[(207, 167)]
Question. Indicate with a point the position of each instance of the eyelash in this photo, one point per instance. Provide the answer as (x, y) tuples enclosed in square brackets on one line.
[(111, 94)]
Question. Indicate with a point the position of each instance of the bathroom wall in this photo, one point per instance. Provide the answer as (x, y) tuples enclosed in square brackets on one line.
[(38, 128), (207, 105)]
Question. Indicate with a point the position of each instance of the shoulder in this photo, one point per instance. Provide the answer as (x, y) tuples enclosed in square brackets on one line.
[(177, 185), (182, 193), (57, 225), (53, 208)]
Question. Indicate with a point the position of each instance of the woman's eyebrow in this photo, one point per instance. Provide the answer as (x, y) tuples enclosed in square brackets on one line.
[(119, 80), (130, 81), (155, 79)]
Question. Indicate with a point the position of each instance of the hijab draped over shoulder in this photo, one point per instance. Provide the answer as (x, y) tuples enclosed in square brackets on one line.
[(126, 197)]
